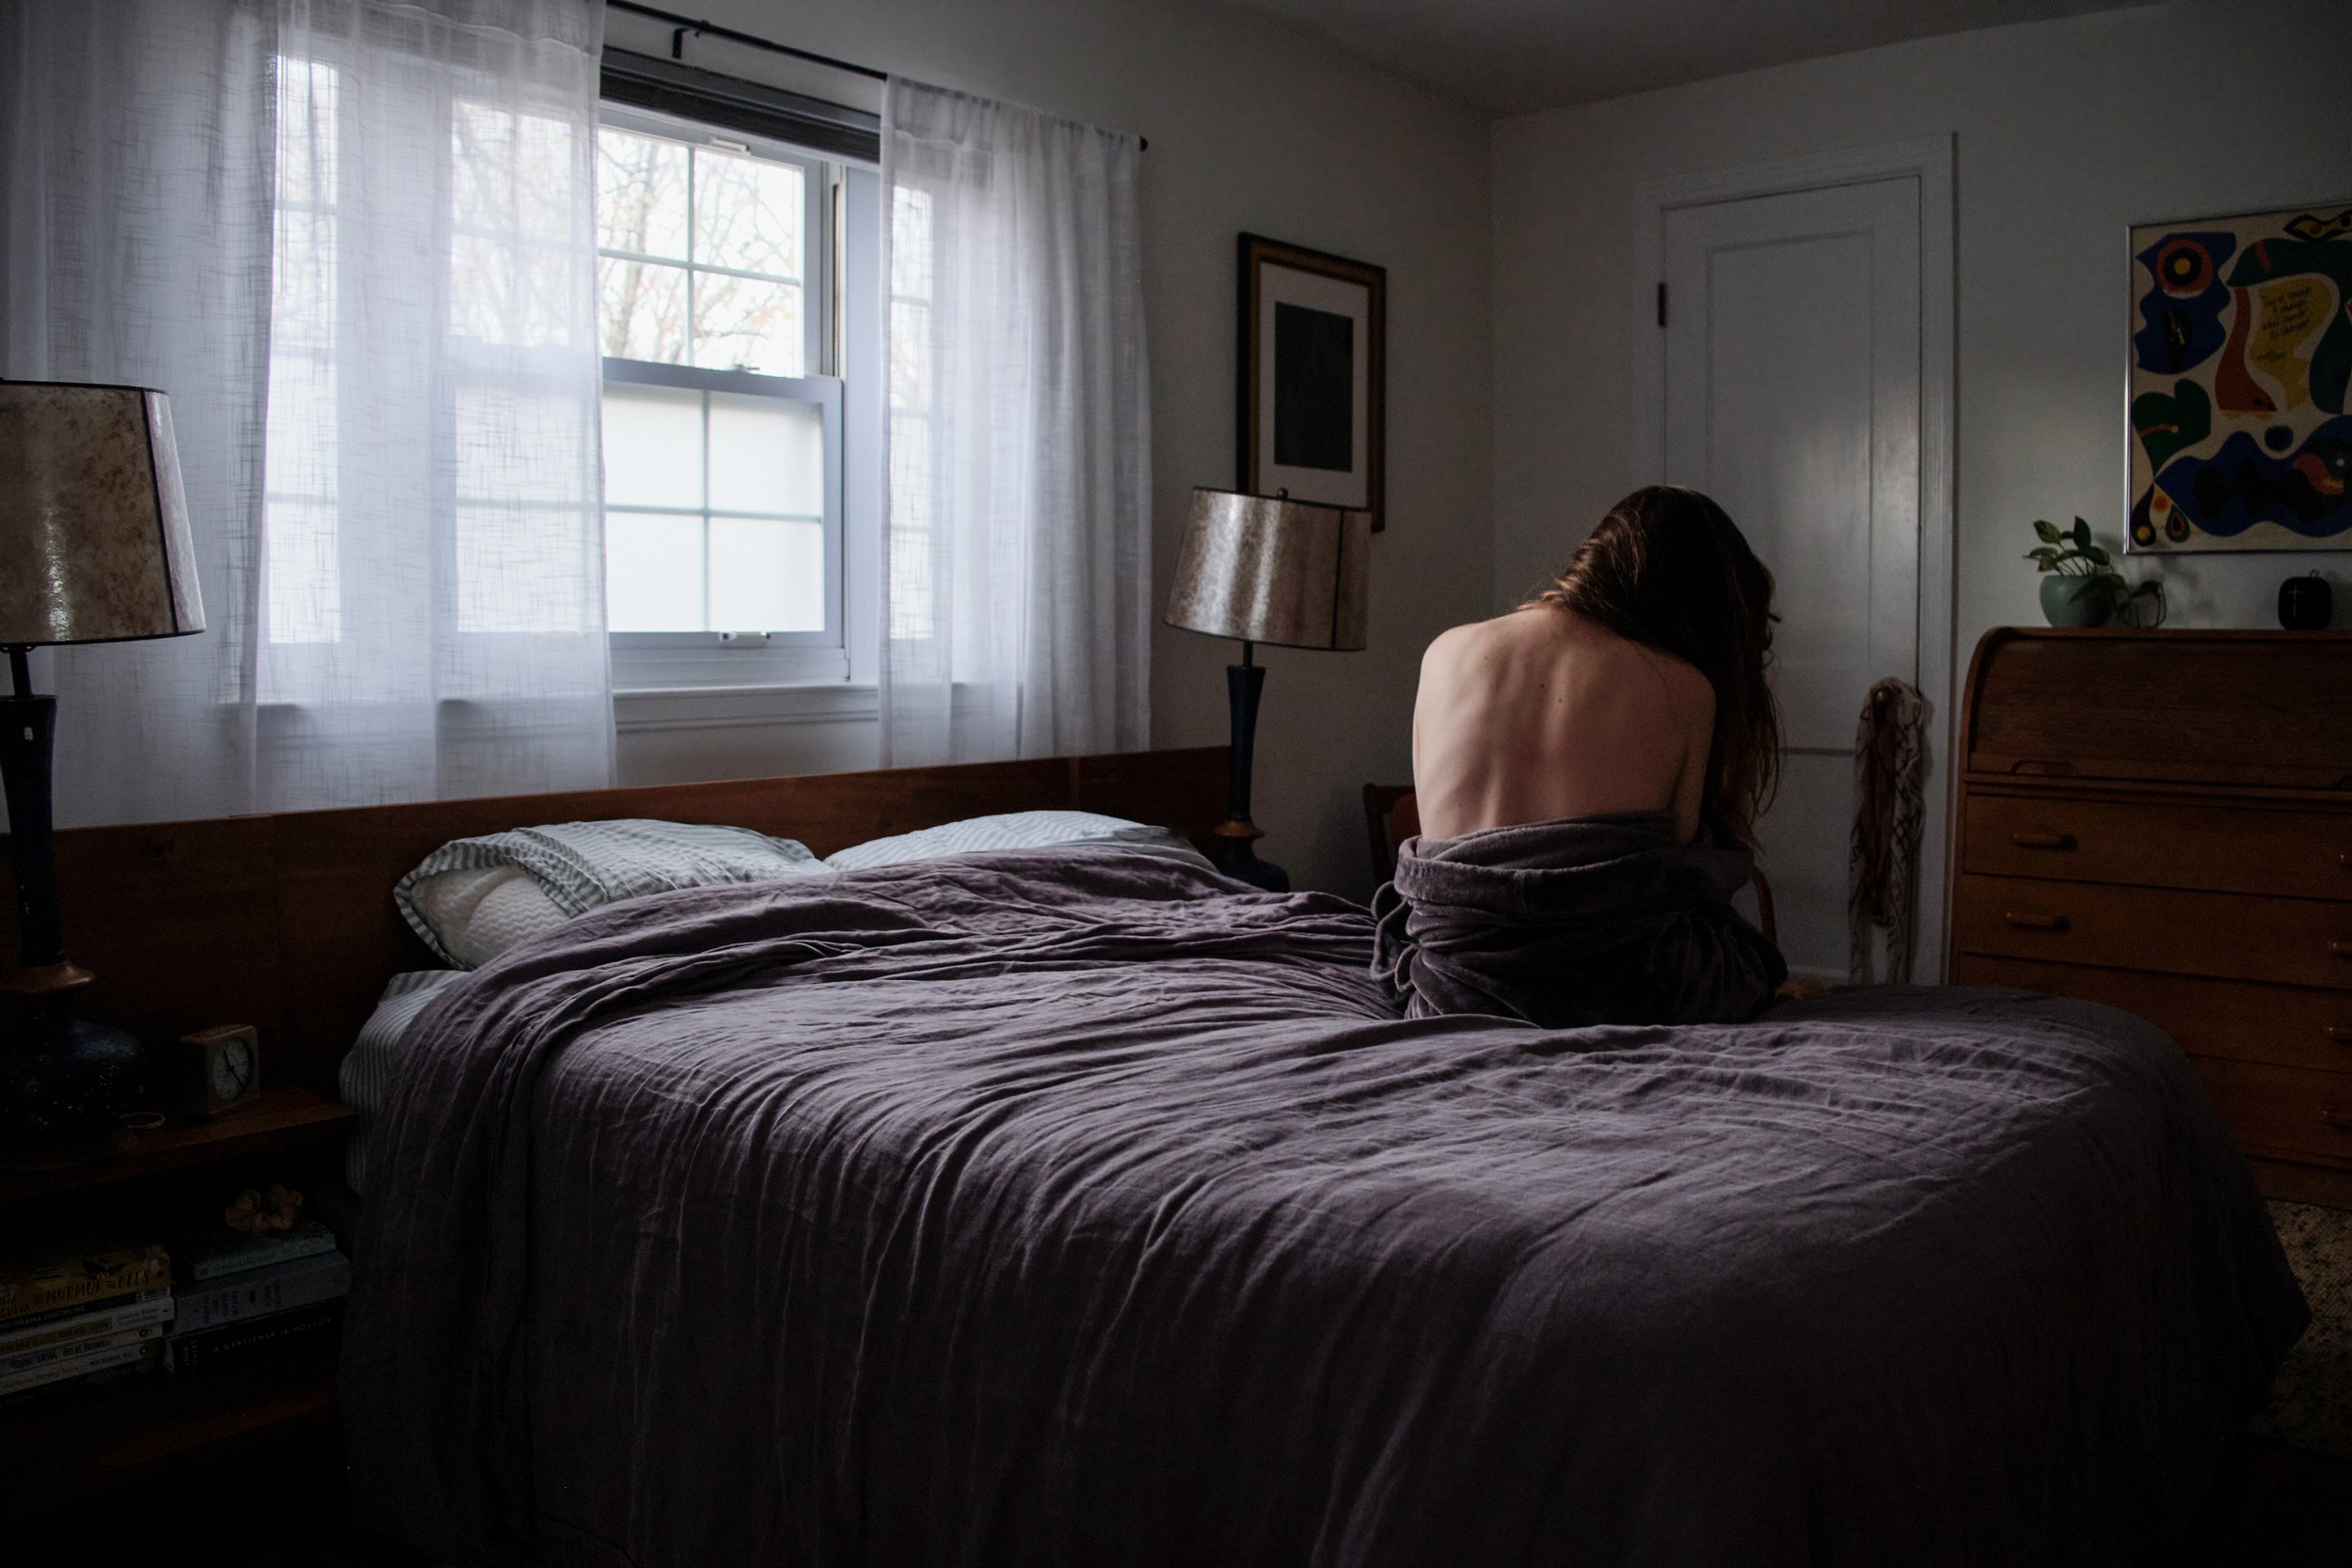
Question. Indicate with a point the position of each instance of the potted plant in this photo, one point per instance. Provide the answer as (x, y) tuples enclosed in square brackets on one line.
[(2081, 586)]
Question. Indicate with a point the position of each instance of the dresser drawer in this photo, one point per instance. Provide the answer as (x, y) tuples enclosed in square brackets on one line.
[(2282, 1112), (2283, 1025), (2222, 848), (2291, 942)]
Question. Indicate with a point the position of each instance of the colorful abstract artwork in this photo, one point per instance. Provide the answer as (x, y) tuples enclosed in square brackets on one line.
[(2241, 353)]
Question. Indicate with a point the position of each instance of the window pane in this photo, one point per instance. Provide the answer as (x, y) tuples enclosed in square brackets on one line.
[(910, 354), (748, 214), (910, 243), (481, 293), (302, 281), (547, 283), (511, 276), (641, 310), (523, 449), (653, 446), (767, 455), (481, 167), (303, 595), (767, 576), (518, 570), (747, 325), (641, 194), (907, 547), (308, 92), (910, 470), (301, 550), (299, 442), (544, 205), (653, 572)]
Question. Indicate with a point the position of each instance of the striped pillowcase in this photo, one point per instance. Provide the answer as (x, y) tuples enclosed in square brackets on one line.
[(365, 1080), (1019, 830), (576, 866)]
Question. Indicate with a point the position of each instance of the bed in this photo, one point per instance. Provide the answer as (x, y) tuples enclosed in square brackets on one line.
[(1085, 1207)]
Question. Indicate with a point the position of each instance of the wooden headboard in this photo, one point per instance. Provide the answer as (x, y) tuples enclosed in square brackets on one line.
[(287, 922)]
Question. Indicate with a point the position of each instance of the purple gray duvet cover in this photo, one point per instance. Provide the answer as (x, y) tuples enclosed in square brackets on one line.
[(1079, 1208)]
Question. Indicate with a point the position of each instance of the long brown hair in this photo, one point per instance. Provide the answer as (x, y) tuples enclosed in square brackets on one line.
[(1667, 569)]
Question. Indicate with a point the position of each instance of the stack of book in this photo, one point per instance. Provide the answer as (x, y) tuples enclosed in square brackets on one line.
[(240, 1294), (70, 1318)]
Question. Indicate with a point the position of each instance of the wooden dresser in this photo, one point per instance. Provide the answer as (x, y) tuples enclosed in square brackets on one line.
[(2162, 821)]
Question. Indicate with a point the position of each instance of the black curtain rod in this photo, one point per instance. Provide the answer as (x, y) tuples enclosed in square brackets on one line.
[(681, 25), (685, 25)]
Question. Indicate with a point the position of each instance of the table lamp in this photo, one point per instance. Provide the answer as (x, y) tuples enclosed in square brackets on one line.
[(1266, 569), (94, 549)]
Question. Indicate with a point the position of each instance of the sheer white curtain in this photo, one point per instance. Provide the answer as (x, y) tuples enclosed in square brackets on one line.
[(1017, 560), (381, 215), (134, 247)]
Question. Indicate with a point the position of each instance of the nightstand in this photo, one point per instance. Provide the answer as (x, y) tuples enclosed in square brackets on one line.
[(83, 1444)]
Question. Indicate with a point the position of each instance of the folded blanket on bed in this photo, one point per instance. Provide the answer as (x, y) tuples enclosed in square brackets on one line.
[(1585, 921)]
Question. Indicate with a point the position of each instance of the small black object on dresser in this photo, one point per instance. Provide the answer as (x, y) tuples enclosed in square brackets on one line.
[(2306, 602)]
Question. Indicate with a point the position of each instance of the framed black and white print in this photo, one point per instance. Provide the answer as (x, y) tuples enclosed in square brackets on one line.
[(1312, 401)]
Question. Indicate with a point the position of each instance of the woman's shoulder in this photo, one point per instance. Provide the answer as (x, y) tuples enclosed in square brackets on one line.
[(1517, 628)]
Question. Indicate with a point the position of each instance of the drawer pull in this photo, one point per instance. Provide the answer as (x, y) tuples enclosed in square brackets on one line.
[(2340, 948), (2339, 1034), (2043, 841), (2337, 1118), (2035, 922)]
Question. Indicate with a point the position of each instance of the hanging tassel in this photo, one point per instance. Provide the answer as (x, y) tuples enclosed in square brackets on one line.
[(1882, 871)]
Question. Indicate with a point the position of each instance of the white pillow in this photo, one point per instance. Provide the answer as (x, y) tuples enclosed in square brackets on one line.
[(480, 913), (474, 898), (1019, 830)]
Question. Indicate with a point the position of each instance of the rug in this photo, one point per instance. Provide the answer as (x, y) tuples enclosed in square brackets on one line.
[(2310, 1404)]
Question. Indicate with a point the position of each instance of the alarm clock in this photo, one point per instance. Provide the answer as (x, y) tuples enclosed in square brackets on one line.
[(219, 1070)]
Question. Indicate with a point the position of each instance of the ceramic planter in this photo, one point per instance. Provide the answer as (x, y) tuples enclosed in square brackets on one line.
[(2074, 602)]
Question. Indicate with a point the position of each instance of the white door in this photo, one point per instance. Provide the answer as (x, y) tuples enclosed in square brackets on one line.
[(1792, 388)]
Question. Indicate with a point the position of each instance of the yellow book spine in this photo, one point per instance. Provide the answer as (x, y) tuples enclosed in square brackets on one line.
[(71, 1280)]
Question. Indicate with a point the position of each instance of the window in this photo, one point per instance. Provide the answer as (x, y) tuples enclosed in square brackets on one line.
[(302, 567), (477, 500), (911, 478), (723, 416)]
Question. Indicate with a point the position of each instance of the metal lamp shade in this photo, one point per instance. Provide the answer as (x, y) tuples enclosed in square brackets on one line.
[(94, 542), (1265, 569)]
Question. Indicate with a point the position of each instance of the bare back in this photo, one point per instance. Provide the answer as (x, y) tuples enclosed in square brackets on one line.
[(1542, 714)]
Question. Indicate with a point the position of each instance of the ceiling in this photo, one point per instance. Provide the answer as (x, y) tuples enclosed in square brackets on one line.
[(1513, 57)]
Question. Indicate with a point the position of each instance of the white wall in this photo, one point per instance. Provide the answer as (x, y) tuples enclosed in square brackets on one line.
[(2068, 132), (1253, 126)]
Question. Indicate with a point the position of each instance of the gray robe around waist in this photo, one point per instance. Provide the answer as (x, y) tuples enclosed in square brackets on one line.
[(1589, 920)]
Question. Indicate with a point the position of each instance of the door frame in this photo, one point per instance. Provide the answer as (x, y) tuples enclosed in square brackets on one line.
[(1929, 159)]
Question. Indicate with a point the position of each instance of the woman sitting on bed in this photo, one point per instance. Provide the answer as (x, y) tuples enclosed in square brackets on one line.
[(1588, 771)]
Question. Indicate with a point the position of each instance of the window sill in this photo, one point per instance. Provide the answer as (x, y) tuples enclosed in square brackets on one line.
[(712, 707)]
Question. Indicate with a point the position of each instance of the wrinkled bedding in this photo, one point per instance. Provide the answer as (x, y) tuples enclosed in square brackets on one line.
[(1085, 1209), (1585, 921)]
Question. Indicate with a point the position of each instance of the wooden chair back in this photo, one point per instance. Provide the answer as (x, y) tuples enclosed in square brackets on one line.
[(1390, 820)]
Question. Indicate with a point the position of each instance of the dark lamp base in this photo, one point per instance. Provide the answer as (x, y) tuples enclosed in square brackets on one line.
[(65, 1084), (1236, 855)]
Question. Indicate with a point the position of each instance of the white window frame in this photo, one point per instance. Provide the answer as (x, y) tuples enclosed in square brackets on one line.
[(751, 656)]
